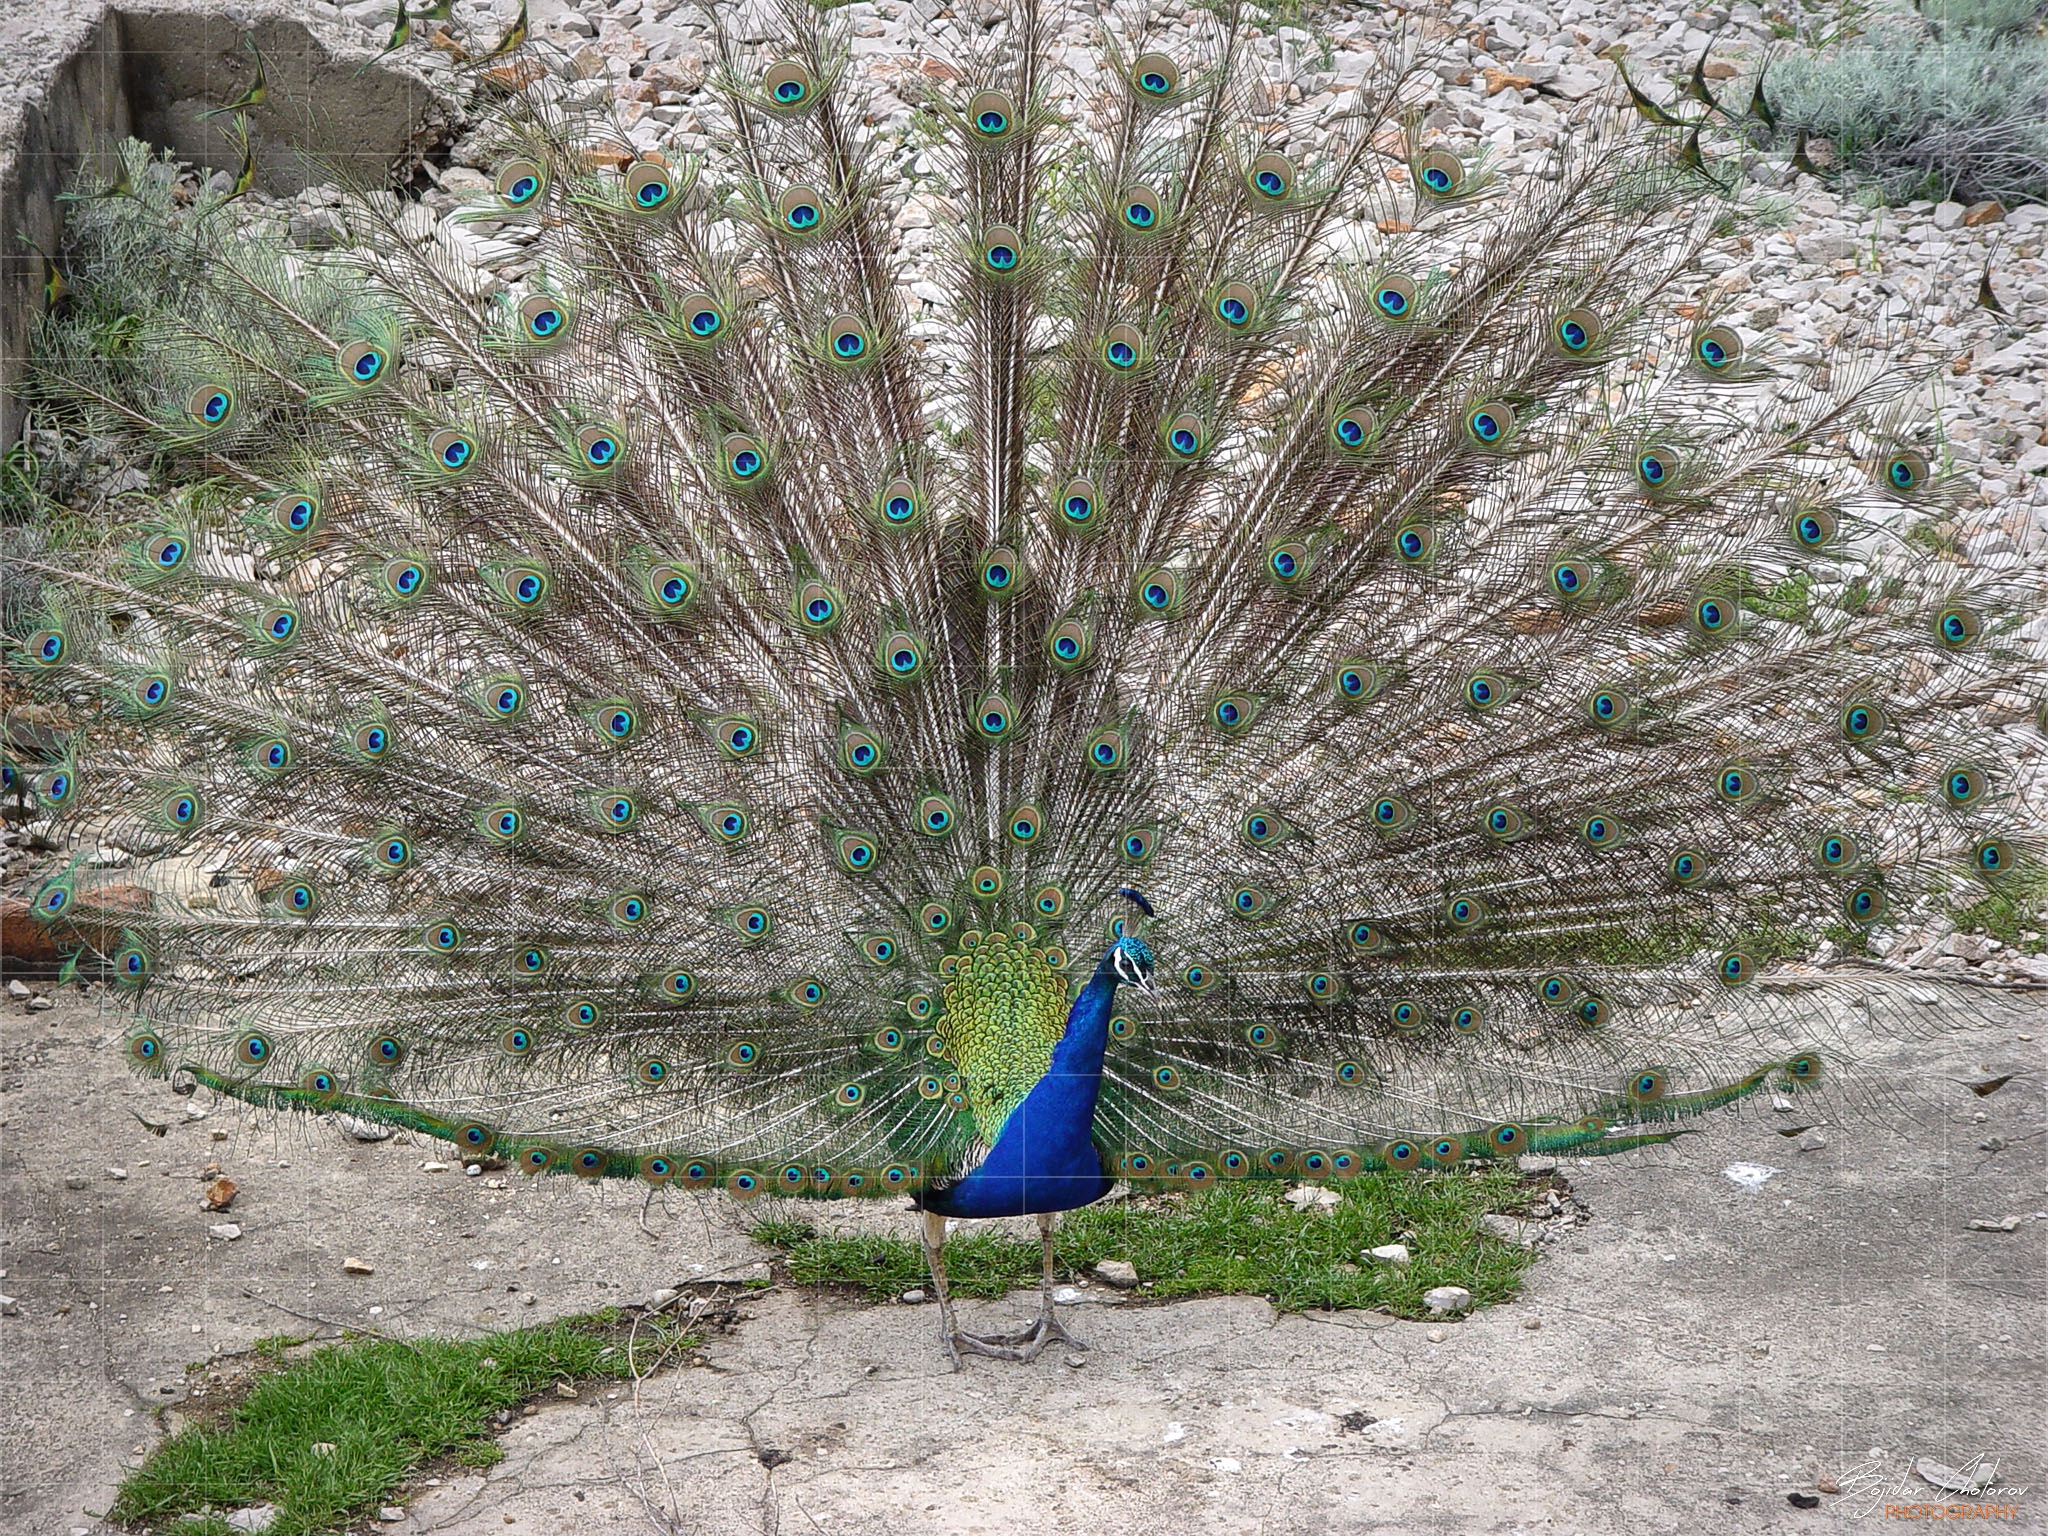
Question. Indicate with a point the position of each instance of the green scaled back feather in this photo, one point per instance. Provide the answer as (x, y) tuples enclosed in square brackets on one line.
[(687, 714)]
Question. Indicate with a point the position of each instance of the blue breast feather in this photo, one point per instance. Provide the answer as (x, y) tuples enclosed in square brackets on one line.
[(1045, 1158)]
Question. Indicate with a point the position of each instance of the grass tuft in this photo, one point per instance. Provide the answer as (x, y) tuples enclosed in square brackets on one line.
[(1234, 1240), (384, 1406)]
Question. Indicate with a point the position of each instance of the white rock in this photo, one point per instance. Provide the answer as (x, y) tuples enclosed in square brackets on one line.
[(226, 1231), (1999, 1224), (1312, 1197), (18, 991), (363, 1130), (1120, 1273), (1812, 1141), (912, 1298), (1821, 246), (1390, 1253), (1948, 215), (1447, 1298), (255, 1519), (1949, 1478)]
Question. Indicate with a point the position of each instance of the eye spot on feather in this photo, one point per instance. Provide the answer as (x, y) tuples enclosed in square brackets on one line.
[(1688, 867), (1963, 787), (295, 513), (788, 85), (1234, 305), (1154, 76), (1958, 628), (1813, 528), (1394, 297), (1717, 349), (520, 182), (451, 450), (211, 405), (1904, 473), (1001, 249), (1575, 332), (992, 115), (1440, 173), (1490, 423), (800, 210), (703, 316), (1351, 429), (1993, 856), (650, 186)]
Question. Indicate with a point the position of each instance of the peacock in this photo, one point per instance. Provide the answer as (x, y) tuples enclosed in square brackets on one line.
[(1285, 648)]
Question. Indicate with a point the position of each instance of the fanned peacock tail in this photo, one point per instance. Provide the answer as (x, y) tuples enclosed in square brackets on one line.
[(689, 713)]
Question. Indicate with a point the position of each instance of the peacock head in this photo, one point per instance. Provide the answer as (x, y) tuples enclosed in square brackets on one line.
[(1130, 958)]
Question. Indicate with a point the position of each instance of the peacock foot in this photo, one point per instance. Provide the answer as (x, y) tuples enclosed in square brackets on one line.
[(1025, 1344)]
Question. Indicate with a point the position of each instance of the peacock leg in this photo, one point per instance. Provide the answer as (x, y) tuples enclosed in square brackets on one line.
[(1028, 1343), (1000, 1348), (1048, 1326)]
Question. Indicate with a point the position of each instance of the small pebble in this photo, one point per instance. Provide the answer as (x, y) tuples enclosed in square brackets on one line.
[(355, 1266), (564, 1390), (911, 1298), (1389, 1253), (1435, 1335), (433, 1167), (226, 1231), (1995, 1224)]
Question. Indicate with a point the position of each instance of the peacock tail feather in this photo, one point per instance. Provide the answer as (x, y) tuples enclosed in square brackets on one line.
[(688, 713)]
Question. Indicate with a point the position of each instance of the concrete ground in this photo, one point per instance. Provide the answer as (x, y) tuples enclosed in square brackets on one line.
[(1682, 1362)]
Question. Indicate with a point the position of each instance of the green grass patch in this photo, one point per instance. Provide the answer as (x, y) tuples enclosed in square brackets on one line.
[(379, 1407), (1243, 1239), (2018, 907)]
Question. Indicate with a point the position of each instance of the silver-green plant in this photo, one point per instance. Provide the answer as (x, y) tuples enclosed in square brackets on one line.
[(1950, 103)]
